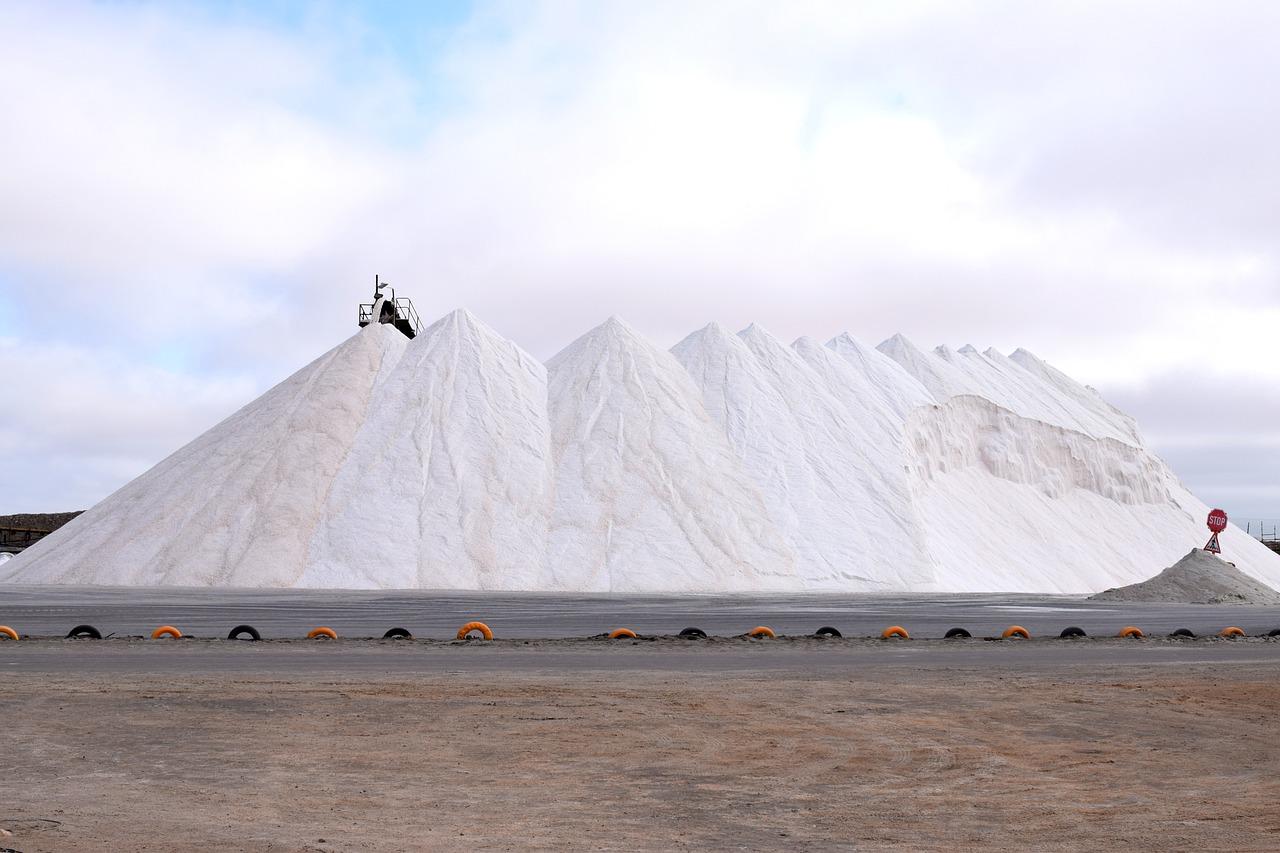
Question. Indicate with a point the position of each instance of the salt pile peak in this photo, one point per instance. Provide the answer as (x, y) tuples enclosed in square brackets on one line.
[(935, 373), (819, 467), (450, 479), (897, 390), (1026, 386), (238, 505), (1082, 394), (732, 463), (648, 493)]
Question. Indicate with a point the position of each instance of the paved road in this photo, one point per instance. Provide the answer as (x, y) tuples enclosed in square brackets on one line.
[(51, 611), (369, 658)]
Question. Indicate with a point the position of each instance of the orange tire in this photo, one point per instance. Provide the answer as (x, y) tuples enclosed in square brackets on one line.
[(1131, 631), (475, 626), (1016, 631), (762, 632), (621, 633), (166, 631), (1231, 632), (895, 631), (6, 631), (322, 631)]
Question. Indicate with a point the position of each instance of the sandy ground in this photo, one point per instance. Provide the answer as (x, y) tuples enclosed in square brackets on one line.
[(926, 756)]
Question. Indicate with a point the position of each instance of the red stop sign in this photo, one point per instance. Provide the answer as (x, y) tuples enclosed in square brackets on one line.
[(1217, 521)]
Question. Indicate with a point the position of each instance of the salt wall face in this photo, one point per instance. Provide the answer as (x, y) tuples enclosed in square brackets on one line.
[(731, 463)]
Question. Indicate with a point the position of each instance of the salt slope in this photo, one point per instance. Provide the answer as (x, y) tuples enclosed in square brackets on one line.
[(1018, 505), (238, 505), (649, 494), (450, 482), (881, 384), (1045, 488), (816, 452), (1038, 392), (1029, 396), (942, 379), (1085, 396)]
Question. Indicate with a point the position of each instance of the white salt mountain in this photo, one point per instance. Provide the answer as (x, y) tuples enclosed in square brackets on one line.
[(734, 463), (449, 479), (1013, 503), (942, 379), (1083, 395), (882, 384), (649, 495), (817, 459), (239, 505)]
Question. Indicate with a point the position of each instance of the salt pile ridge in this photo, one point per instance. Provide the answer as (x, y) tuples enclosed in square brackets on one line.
[(732, 463), (648, 493)]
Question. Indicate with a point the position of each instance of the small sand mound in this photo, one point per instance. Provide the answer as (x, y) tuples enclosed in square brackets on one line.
[(1198, 578)]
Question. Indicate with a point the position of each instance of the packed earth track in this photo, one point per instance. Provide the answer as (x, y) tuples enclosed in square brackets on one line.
[(550, 737)]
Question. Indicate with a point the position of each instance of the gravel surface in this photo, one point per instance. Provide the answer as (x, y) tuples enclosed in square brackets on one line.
[(929, 753)]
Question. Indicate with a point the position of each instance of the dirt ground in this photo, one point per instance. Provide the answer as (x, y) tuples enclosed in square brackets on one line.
[(911, 758)]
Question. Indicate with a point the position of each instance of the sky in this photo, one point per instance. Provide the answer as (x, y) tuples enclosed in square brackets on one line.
[(194, 197)]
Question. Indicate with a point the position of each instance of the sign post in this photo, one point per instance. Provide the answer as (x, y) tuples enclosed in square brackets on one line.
[(1217, 524)]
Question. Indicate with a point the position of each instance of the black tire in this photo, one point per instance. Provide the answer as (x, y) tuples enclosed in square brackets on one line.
[(827, 631), (1072, 631), (254, 636), (693, 634), (1183, 632), (397, 634), (1275, 632), (84, 632), (957, 633)]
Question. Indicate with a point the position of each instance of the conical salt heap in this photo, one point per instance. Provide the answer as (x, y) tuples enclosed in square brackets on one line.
[(733, 463), (1198, 578)]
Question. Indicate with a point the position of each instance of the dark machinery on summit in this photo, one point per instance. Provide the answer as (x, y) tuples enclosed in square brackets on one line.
[(398, 311)]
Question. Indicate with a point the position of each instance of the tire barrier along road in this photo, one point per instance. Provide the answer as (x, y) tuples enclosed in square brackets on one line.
[(248, 632), (475, 626)]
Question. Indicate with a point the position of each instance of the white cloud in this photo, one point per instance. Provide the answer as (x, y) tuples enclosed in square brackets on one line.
[(78, 423), (1092, 181)]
